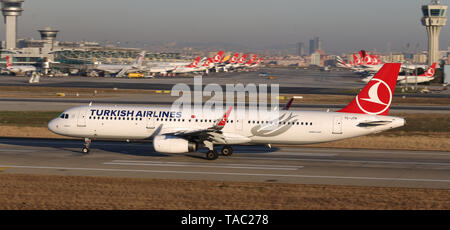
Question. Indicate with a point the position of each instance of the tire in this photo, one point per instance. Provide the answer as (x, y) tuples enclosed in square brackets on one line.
[(85, 150), (212, 155), (227, 151)]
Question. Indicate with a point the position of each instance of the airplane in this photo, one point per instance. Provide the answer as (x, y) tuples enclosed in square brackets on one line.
[(240, 62), (402, 79), (233, 60), (183, 131), (369, 63), (251, 61), (256, 63), (19, 69), (189, 68), (121, 70)]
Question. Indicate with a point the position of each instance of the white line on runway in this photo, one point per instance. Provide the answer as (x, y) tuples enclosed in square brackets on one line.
[(16, 150), (281, 153), (233, 174), (346, 161), (204, 165)]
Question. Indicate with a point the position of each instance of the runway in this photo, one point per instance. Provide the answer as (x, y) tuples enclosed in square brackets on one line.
[(299, 165), (289, 80)]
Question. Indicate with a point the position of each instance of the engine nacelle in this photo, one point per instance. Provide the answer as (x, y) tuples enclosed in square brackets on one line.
[(172, 144)]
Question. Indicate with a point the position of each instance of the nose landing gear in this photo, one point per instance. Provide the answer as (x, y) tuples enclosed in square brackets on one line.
[(87, 144)]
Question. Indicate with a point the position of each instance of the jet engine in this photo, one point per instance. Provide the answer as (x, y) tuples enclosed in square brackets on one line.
[(173, 144)]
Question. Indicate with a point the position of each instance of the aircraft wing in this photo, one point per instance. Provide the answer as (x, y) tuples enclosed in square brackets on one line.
[(212, 133)]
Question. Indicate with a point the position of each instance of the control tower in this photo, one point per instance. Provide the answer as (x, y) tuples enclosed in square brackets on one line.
[(11, 9), (434, 17), (48, 34)]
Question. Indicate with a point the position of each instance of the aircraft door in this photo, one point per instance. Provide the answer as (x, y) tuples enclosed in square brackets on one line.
[(81, 117), (337, 125)]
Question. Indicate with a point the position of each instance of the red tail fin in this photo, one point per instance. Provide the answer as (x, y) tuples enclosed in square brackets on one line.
[(194, 63), (376, 97), (234, 59), (8, 63), (252, 60), (242, 59), (356, 60), (218, 57), (430, 71)]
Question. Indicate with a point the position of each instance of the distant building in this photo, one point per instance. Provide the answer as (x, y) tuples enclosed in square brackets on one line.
[(300, 49), (315, 44), (397, 57), (420, 58), (312, 46), (315, 59)]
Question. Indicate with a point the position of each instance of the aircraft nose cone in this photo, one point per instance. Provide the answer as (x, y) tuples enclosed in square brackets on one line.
[(53, 126)]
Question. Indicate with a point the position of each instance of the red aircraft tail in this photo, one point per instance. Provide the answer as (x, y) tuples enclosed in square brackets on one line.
[(376, 97)]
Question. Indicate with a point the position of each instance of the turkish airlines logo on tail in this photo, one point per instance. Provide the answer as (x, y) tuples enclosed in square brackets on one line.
[(430, 71), (377, 99), (242, 59), (218, 57), (234, 58)]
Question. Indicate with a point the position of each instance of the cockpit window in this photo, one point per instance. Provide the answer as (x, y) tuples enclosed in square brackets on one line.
[(64, 116)]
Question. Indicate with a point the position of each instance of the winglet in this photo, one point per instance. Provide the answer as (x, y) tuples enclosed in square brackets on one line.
[(288, 105), (221, 123)]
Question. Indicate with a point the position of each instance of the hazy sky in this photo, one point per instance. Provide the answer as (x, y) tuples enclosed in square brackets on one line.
[(343, 25)]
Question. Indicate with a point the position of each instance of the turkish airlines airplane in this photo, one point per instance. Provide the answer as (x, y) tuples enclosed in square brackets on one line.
[(189, 68), (19, 69), (426, 77), (369, 63), (402, 79), (182, 131)]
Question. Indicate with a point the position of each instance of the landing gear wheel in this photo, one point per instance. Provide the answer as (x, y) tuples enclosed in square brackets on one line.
[(85, 150), (227, 150), (212, 155), (87, 145)]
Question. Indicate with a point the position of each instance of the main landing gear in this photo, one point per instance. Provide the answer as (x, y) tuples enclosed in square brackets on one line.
[(213, 154), (227, 150), (87, 144)]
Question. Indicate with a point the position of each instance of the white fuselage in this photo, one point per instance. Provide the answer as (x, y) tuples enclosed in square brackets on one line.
[(21, 68), (413, 79), (145, 122)]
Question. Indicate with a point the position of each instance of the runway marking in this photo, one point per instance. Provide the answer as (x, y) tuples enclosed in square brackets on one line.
[(232, 174), (203, 165), (16, 150), (345, 161), (278, 153)]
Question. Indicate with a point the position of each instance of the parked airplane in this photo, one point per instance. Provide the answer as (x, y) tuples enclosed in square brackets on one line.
[(19, 69), (402, 79), (184, 131), (369, 63), (189, 68), (121, 70)]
